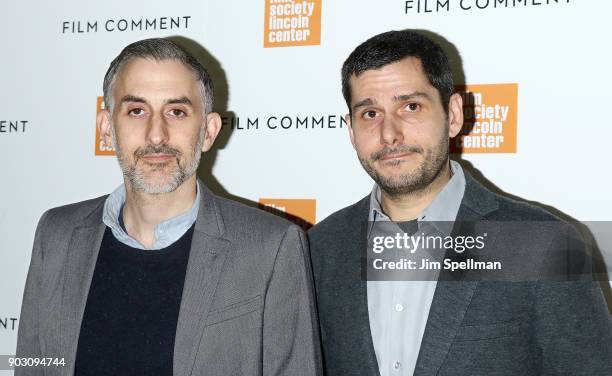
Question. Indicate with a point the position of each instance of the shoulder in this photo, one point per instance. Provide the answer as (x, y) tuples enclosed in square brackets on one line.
[(242, 221), (74, 214), (513, 210), (258, 239), (532, 226), (493, 206), (56, 225), (343, 221), (530, 223)]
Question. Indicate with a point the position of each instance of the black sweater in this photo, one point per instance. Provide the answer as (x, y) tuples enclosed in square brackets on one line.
[(132, 309)]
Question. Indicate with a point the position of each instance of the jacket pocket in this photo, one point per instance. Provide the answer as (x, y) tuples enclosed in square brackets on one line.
[(234, 310), (487, 331)]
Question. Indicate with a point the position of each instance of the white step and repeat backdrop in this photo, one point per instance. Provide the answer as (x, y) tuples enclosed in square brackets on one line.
[(545, 64)]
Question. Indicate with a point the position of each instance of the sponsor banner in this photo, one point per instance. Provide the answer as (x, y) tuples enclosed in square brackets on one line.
[(444, 6), (8, 323), (283, 121), (292, 23), (100, 148), (125, 25), (13, 126), (490, 119), (302, 212)]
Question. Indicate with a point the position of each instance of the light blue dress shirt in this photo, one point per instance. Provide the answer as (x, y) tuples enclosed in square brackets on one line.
[(166, 232), (398, 310)]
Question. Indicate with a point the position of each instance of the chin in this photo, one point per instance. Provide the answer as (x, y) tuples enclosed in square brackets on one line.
[(159, 189), (398, 172)]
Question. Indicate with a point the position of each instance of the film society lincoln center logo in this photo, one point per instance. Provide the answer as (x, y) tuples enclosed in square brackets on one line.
[(292, 23), (302, 212), (490, 119)]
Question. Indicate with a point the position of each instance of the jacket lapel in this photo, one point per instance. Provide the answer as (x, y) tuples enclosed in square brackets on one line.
[(81, 260), (450, 302), (206, 259), (454, 293), (366, 353), (357, 324)]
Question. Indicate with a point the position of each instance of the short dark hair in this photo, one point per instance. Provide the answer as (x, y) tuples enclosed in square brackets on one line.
[(158, 49), (393, 46)]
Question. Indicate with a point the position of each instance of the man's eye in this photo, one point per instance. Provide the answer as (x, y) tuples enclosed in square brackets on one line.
[(413, 107), (371, 114), (136, 111), (177, 113)]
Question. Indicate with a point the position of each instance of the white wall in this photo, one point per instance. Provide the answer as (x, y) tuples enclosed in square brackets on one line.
[(558, 54)]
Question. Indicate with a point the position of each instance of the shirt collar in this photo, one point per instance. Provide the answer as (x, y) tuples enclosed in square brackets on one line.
[(166, 232), (442, 211)]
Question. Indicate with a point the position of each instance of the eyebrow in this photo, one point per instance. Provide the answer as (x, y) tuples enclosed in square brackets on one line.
[(132, 98), (181, 100), (396, 98), (363, 103), (407, 97)]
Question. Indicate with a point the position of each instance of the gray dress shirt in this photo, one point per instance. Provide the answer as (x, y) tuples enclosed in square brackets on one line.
[(166, 232), (398, 310)]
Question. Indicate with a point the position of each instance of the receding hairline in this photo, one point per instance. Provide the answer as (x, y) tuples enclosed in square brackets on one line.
[(130, 60)]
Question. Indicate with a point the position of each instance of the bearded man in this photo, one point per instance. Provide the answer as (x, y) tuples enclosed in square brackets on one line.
[(162, 277), (388, 309)]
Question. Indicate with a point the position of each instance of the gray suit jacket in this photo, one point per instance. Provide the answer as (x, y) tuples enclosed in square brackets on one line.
[(475, 327), (247, 306)]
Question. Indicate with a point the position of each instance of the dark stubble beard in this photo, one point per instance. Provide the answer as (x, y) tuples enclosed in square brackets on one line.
[(415, 181)]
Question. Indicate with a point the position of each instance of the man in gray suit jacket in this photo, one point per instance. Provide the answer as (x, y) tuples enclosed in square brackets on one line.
[(162, 277), (541, 314)]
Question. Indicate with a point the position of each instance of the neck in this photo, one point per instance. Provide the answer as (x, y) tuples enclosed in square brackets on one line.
[(143, 212), (401, 208)]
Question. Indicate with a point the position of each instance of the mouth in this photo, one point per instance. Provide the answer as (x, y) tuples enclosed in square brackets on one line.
[(157, 158), (393, 156)]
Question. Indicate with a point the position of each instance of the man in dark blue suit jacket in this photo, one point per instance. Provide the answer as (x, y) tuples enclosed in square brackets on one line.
[(541, 315)]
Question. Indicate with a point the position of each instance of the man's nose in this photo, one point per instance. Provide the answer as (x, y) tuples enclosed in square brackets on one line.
[(391, 131), (157, 132)]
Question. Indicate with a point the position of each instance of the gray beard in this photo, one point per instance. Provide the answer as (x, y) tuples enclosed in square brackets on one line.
[(180, 174)]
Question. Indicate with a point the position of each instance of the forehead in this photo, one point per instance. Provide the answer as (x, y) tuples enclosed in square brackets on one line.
[(141, 76), (402, 77)]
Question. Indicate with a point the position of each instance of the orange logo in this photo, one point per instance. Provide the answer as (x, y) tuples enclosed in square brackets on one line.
[(490, 119), (292, 23), (302, 212), (101, 148)]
